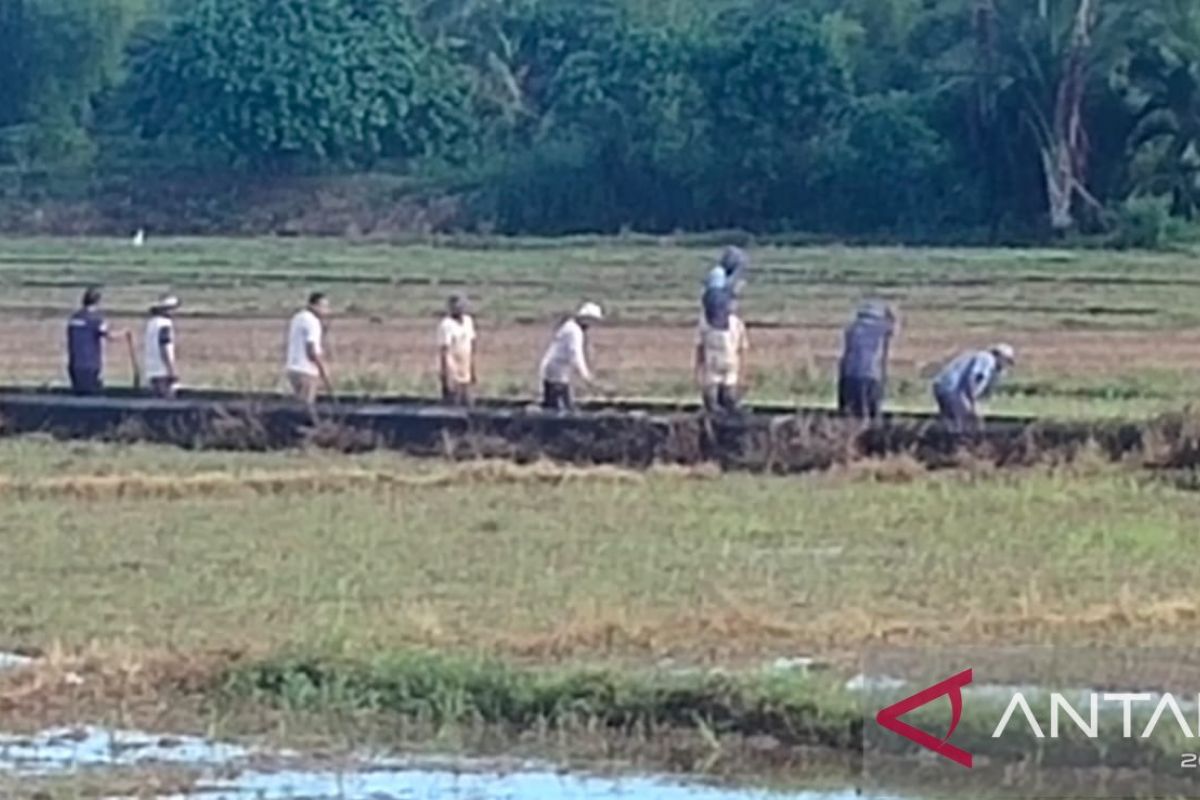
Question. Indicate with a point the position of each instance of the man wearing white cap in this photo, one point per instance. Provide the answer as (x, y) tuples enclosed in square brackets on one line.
[(567, 356), (158, 347), (967, 380)]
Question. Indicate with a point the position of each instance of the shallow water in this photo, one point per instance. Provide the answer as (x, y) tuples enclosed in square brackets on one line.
[(233, 772)]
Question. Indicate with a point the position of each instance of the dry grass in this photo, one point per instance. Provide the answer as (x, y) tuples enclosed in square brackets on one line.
[(547, 562)]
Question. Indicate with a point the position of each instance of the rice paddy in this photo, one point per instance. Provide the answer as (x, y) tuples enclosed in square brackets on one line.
[(165, 577)]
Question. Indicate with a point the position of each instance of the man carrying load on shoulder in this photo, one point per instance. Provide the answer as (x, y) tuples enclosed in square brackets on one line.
[(720, 359)]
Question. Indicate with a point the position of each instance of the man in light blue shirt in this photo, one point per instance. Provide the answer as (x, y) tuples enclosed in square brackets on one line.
[(967, 380)]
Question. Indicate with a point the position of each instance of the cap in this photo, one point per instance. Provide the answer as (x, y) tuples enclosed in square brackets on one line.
[(590, 311), (167, 302), (873, 310), (1005, 352)]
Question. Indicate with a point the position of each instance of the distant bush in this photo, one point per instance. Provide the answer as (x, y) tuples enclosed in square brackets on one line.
[(1143, 223)]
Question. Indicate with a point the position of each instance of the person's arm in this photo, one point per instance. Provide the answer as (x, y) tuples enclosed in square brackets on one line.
[(579, 359), (166, 350), (312, 348)]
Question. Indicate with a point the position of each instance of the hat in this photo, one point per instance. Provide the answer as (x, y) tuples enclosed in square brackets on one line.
[(873, 310), (167, 302), (590, 311), (1005, 352)]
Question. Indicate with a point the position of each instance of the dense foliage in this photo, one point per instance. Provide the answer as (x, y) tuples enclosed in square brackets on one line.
[(904, 118)]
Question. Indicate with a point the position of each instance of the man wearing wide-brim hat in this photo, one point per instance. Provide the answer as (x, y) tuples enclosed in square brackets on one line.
[(158, 351)]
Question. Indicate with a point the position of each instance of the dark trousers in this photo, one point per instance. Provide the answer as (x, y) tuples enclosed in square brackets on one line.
[(720, 398), (163, 387), (86, 381), (456, 394), (954, 411), (860, 398), (557, 396)]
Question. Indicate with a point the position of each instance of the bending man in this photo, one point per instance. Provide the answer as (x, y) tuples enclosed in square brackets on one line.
[(968, 380), (567, 356)]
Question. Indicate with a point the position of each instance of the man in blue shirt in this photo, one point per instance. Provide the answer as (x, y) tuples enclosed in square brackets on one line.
[(862, 371), (967, 380), (86, 332)]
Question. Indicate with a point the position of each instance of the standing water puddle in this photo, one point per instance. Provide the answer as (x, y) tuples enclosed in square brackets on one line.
[(231, 772)]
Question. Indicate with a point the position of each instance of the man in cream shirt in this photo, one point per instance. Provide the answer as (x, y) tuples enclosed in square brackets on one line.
[(158, 347), (567, 356), (719, 361), (456, 353), (306, 368)]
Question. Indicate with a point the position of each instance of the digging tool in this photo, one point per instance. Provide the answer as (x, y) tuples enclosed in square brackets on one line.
[(133, 361)]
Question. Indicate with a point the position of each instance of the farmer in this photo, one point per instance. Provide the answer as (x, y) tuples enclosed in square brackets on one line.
[(967, 380), (86, 333), (306, 369), (566, 356), (456, 352), (720, 354), (158, 347), (862, 371), (720, 284)]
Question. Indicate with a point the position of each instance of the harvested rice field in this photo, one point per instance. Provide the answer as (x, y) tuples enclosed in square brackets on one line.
[(317, 611)]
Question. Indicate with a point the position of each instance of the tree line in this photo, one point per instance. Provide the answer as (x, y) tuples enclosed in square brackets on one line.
[(903, 118)]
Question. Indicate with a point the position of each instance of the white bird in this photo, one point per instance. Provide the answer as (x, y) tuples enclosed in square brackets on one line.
[(139, 238)]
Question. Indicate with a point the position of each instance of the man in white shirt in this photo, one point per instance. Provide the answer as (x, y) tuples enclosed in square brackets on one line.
[(566, 356), (158, 348), (720, 355), (967, 380), (456, 353), (306, 369)]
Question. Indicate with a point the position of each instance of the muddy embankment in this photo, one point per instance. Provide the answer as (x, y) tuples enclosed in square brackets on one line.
[(764, 439)]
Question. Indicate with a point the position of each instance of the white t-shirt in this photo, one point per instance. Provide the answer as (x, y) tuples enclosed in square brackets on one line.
[(565, 355), (723, 351), (458, 337), (305, 329), (160, 333)]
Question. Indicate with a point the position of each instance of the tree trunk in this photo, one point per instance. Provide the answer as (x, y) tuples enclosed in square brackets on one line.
[(1064, 156)]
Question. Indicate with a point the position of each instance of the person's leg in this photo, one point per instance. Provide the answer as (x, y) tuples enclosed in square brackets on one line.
[(162, 387), (727, 398), (843, 390), (85, 382), (874, 398), (304, 387), (556, 396), (709, 397)]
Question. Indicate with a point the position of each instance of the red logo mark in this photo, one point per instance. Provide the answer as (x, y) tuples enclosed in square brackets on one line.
[(889, 718)]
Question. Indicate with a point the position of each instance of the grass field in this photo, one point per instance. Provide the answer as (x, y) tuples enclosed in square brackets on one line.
[(157, 549), (179, 571), (1099, 333)]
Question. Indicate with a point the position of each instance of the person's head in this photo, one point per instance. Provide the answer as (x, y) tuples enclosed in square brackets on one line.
[(318, 303), (589, 314), (734, 259), (166, 305), (91, 297), (457, 306), (875, 311), (1006, 355)]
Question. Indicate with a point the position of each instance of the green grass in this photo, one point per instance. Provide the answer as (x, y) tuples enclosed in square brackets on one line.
[(626, 567)]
